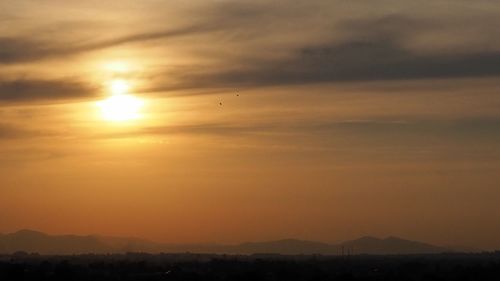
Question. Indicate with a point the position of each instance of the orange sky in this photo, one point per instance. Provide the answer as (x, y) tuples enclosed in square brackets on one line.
[(251, 120)]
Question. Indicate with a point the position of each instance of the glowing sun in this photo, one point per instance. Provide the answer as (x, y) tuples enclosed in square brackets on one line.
[(121, 106)]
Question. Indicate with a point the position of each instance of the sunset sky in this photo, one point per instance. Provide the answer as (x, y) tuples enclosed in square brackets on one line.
[(229, 121)]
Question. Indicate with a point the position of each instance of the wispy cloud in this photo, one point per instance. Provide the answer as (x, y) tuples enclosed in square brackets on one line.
[(23, 90), (484, 129), (24, 49), (372, 50), (11, 131), (244, 43)]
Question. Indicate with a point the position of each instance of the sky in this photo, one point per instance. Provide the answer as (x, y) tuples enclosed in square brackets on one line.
[(229, 121)]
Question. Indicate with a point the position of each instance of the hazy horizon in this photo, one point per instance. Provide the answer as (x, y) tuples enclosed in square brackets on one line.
[(228, 121), (29, 241), (209, 242)]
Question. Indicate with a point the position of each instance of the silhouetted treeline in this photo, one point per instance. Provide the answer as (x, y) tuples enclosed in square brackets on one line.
[(22, 266)]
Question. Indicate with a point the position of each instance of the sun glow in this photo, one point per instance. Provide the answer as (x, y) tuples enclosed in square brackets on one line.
[(121, 106), (119, 87), (117, 67)]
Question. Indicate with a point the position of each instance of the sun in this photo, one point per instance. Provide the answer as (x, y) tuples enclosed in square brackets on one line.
[(121, 105), (119, 86), (121, 108)]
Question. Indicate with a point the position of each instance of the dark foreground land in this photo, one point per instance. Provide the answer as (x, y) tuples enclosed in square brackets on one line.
[(474, 267)]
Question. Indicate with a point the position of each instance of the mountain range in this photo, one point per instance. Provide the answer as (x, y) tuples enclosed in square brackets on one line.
[(38, 242)]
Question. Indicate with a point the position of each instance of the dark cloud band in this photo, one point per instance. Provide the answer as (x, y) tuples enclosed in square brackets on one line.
[(41, 90)]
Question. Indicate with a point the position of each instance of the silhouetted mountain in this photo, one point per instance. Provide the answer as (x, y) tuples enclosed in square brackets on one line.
[(34, 241), (389, 246)]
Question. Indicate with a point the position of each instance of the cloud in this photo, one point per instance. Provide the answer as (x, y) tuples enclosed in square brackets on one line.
[(13, 50), (246, 49), (11, 131), (7, 132), (366, 50), (22, 90), (22, 49), (383, 131)]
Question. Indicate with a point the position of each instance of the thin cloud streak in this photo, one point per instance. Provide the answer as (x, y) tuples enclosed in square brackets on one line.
[(461, 129), (11, 131), (30, 90), (375, 50), (22, 50)]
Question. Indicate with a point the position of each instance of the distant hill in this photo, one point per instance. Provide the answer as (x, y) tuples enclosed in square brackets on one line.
[(389, 246), (34, 241), (38, 242)]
